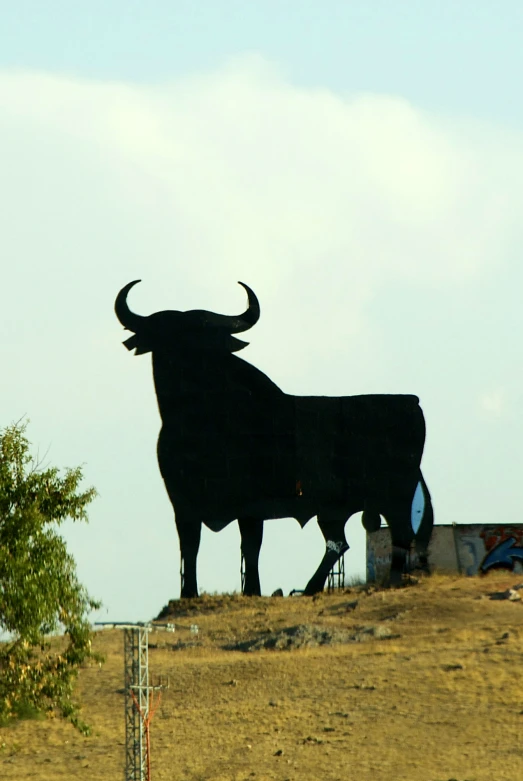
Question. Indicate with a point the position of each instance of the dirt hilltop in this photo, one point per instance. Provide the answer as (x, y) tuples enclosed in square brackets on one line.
[(422, 683)]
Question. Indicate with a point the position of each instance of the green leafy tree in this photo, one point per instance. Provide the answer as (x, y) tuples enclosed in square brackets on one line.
[(39, 590)]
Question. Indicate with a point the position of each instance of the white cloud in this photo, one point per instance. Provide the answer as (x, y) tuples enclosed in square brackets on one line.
[(318, 199), (493, 402)]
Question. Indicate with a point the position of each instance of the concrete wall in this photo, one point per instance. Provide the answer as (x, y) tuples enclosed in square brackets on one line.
[(455, 548)]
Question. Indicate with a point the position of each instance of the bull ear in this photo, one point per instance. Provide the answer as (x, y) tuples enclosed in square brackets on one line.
[(131, 343), (235, 345)]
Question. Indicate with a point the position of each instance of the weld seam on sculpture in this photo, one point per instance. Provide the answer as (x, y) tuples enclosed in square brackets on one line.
[(234, 446)]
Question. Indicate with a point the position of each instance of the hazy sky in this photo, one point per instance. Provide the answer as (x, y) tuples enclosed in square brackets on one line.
[(359, 165)]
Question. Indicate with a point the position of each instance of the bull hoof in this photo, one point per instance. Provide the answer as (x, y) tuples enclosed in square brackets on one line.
[(395, 580), (422, 566), (311, 591)]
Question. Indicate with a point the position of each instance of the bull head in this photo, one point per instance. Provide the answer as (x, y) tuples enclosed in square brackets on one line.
[(196, 329)]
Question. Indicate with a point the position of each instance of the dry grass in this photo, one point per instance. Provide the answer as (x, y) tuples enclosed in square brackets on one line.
[(442, 699)]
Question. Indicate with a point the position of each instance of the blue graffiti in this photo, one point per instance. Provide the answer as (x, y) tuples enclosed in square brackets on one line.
[(502, 555)]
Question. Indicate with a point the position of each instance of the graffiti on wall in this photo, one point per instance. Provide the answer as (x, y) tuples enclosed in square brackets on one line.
[(483, 547), (503, 554), (471, 549)]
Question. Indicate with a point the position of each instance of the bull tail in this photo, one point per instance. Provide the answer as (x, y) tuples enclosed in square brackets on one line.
[(424, 523), (371, 519)]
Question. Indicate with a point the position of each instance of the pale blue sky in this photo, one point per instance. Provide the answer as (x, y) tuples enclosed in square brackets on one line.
[(359, 164), (463, 56)]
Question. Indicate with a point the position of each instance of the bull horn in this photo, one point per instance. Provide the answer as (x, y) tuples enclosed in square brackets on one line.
[(237, 324), (128, 319), (251, 316)]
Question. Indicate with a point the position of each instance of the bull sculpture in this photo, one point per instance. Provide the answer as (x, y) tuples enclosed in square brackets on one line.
[(233, 446)]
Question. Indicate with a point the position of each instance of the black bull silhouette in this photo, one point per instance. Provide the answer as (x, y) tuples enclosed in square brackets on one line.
[(234, 446)]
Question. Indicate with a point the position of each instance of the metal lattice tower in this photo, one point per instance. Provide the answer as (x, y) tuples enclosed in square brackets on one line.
[(136, 679), (137, 695), (336, 578)]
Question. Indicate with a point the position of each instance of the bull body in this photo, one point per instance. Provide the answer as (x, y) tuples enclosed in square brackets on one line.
[(233, 446)]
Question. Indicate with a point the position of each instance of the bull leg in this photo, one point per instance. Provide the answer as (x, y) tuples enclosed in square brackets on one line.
[(251, 531), (399, 519), (336, 545), (189, 534)]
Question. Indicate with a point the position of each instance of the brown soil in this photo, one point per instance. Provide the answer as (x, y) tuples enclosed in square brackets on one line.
[(423, 683)]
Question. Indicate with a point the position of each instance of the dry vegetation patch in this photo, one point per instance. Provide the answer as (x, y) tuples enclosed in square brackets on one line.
[(433, 690)]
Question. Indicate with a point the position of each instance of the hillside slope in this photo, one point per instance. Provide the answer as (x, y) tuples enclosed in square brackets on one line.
[(423, 683)]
